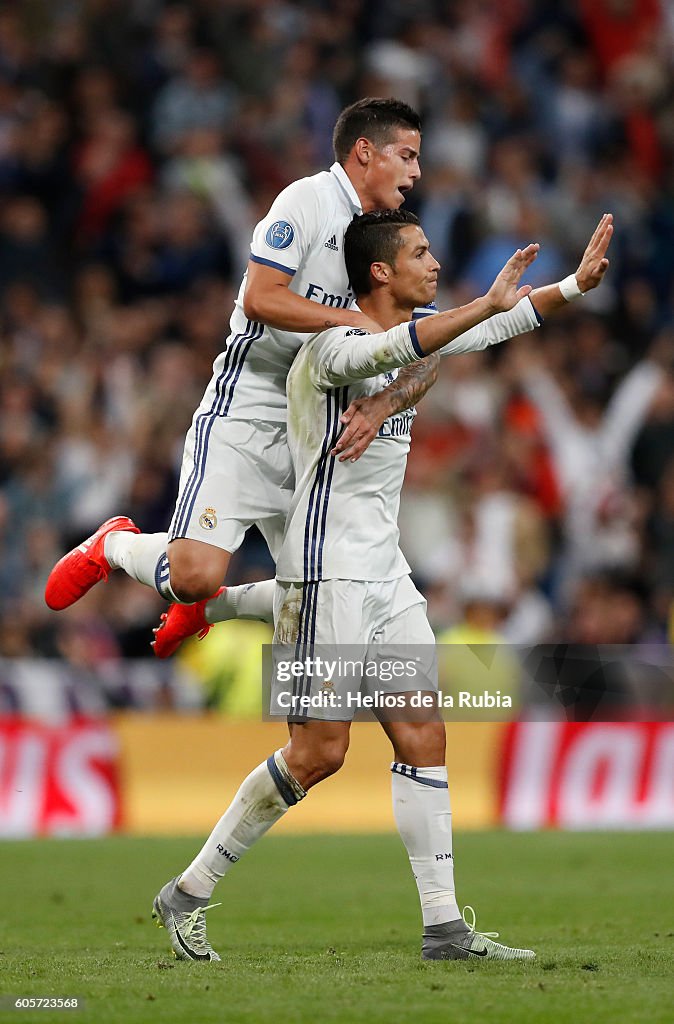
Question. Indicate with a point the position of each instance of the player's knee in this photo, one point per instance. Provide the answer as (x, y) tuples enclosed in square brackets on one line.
[(316, 750), (333, 758), (190, 584), (195, 574), (328, 759)]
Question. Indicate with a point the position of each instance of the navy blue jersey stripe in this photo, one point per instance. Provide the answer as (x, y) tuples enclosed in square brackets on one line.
[(244, 346), (306, 635), (331, 415), (270, 263), (311, 637), (222, 407), (342, 401), (330, 438), (202, 420), (415, 340), (316, 488), (314, 530), (301, 643), (421, 311), (538, 315), (311, 618), (224, 393), (193, 477)]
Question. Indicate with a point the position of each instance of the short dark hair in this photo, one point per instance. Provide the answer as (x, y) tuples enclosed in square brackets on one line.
[(373, 238), (374, 119)]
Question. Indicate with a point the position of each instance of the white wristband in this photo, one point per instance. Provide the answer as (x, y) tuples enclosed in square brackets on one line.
[(569, 288)]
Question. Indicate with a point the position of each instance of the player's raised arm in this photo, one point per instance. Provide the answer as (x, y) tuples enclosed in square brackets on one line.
[(341, 357), (529, 313), (590, 273)]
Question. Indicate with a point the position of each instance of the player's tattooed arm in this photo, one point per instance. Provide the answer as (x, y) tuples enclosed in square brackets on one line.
[(365, 416), (412, 383)]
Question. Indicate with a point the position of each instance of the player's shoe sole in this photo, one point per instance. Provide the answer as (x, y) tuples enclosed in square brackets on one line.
[(78, 571), (183, 918), (180, 622), (457, 940)]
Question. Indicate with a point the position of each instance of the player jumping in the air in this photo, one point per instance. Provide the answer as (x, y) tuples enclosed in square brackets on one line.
[(342, 579), (236, 467)]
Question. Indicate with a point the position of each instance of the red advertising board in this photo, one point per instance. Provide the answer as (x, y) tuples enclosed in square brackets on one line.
[(58, 780), (587, 775)]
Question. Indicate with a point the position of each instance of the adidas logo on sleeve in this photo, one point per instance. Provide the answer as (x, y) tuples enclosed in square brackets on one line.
[(332, 243)]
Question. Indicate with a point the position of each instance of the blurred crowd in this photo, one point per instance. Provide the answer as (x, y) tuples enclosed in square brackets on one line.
[(141, 140)]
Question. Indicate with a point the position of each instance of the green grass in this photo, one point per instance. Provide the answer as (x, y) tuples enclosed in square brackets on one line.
[(320, 930)]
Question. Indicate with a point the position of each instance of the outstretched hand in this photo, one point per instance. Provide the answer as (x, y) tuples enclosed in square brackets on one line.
[(505, 293), (594, 264)]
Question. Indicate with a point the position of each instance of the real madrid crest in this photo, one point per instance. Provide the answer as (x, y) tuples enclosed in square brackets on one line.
[(208, 519)]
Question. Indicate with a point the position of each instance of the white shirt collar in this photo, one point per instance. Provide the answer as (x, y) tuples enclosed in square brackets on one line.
[(347, 186)]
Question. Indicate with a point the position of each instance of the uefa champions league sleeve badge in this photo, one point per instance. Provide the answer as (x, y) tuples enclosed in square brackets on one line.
[(280, 235)]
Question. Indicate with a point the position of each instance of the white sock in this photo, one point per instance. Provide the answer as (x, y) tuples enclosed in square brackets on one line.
[(424, 819), (248, 601), (142, 556), (263, 797)]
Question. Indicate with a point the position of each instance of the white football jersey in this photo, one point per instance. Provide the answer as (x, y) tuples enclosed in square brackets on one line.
[(342, 522), (302, 235)]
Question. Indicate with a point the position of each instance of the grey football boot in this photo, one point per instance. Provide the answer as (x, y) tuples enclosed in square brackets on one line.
[(458, 940), (183, 917)]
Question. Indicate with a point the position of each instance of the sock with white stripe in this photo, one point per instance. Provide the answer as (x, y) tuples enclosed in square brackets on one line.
[(248, 601), (263, 797), (139, 555), (424, 819)]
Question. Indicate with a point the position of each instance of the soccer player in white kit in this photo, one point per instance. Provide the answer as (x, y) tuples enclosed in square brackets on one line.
[(342, 579), (236, 467)]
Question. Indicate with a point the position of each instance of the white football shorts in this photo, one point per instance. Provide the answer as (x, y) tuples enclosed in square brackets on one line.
[(234, 474), (376, 635)]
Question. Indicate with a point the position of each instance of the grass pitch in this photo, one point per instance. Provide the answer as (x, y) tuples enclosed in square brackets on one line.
[(326, 929)]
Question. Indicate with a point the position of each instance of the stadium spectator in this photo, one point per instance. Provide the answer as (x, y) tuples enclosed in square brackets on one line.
[(156, 129), (199, 98), (590, 448)]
